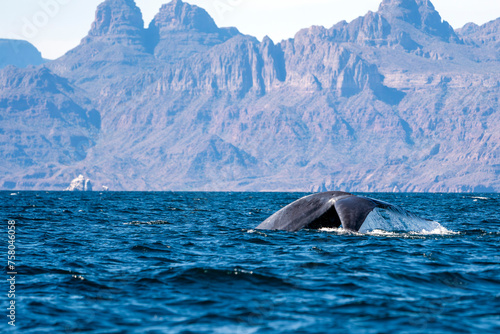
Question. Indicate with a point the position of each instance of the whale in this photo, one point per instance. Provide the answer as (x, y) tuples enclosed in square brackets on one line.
[(331, 209)]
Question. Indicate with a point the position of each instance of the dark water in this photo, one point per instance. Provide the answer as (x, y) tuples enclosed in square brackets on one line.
[(87, 262)]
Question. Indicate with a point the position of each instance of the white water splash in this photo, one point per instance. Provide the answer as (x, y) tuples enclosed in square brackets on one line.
[(255, 231), (395, 222), (422, 234), (338, 230), (392, 220), (479, 197)]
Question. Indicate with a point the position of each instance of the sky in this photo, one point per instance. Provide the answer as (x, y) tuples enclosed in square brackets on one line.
[(56, 26)]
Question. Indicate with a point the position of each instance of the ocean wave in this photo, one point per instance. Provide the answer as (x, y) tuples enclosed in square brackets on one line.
[(150, 248), (433, 279), (213, 275), (154, 222), (90, 273)]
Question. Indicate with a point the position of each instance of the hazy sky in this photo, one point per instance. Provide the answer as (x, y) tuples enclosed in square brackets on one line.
[(56, 26)]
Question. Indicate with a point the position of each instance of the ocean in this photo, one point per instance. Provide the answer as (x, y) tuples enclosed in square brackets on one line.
[(166, 262)]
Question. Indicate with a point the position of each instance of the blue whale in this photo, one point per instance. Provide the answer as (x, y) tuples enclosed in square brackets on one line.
[(324, 210)]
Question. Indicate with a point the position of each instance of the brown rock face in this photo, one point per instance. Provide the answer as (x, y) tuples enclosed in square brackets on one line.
[(392, 101), (118, 21)]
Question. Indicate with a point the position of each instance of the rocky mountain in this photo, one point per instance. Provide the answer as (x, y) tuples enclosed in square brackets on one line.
[(393, 101), (180, 30), (45, 123), (482, 36), (19, 54)]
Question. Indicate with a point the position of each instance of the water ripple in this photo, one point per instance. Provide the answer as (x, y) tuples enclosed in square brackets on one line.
[(193, 263)]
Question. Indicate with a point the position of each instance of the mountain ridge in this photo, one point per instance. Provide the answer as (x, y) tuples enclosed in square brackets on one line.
[(19, 53), (393, 101)]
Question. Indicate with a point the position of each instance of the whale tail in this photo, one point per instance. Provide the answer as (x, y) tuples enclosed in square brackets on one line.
[(324, 210)]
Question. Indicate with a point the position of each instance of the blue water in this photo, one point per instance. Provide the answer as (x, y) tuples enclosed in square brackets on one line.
[(193, 263)]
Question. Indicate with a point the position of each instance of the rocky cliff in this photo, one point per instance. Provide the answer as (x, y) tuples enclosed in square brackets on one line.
[(392, 101)]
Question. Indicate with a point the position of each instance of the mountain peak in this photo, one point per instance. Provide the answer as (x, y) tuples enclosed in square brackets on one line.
[(19, 53), (405, 10), (181, 30), (178, 15), (421, 14), (118, 20)]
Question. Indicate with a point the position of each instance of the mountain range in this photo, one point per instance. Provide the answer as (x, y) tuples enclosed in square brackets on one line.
[(396, 100)]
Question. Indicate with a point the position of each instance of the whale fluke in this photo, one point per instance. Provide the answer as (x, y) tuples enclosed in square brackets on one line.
[(324, 210)]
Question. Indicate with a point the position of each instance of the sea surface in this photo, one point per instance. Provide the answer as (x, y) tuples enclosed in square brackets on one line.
[(132, 262)]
